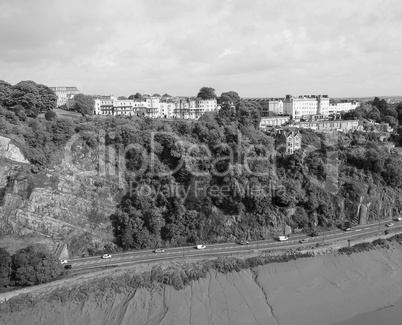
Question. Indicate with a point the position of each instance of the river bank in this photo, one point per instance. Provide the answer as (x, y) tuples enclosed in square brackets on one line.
[(324, 289)]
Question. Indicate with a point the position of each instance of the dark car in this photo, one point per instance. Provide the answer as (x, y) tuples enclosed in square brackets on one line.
[(314, 233), (68, 266)]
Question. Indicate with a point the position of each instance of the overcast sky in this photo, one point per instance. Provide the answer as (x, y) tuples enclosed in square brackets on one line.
[(258, 48)]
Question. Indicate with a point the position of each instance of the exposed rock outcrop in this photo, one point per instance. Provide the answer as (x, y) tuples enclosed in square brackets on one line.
[(10, 150), (53, 203)]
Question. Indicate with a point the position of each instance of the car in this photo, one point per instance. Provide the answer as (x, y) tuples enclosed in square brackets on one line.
[(398, 219), (68, 266), (63, 261), (202, 246), (390, 224), (159, 250), (106, 256), (244, 242), (301, 241), (348, 229), (314, 233)]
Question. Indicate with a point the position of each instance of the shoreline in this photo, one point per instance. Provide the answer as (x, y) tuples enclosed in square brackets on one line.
[(387, 315), (320, 290)]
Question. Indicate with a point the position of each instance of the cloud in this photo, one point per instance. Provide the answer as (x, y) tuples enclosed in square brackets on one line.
[(227, 52), (258, 48)]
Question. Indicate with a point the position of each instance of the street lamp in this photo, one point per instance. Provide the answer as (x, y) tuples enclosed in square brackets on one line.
[(182, 245), (378, 231), (257, 242)]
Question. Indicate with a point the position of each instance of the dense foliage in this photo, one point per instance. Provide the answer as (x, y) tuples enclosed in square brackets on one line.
[(84, 104), (50, 115), (29, 266), (5, 268), (29, 96), (219, 178), (34, 265), (206, 93), (379, 111)]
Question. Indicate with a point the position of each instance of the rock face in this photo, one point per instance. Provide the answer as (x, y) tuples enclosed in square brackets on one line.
[(11, 151), (53, 203)]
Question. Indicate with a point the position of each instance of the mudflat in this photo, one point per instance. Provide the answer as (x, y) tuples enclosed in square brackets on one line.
[(320, 290)]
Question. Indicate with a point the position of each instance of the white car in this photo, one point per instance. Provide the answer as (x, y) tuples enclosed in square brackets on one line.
[(63, 261), (398, 219), (106, 256), (159, 250), (389, 224), (201, 246)]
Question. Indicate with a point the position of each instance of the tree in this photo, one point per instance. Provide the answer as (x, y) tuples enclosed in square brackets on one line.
[(136, 96), (5, 267), (230, 97), (374, 114), (6, 90), (356, 114), (50, 115), (84, 104), (156, 95), (35, 265), (122, 98), (392, 172), (129, 229), (248, 113), (33, 97), (206, 93), (226, 115), (166, 95)]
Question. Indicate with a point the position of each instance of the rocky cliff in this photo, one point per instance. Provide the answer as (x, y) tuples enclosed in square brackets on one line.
[(67, 207), (53, 203)]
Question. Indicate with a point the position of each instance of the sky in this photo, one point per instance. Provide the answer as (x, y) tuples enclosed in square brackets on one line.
[(258, 48)]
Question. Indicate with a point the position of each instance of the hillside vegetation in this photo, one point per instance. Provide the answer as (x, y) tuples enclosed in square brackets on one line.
[(146, 183)]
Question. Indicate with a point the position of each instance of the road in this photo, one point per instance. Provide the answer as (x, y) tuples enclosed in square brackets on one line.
[(143, 256)]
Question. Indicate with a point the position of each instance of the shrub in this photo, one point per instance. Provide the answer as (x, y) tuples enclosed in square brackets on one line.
[(35, 265), (50, 115)]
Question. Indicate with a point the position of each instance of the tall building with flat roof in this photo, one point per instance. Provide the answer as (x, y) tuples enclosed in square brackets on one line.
[(303, 106)]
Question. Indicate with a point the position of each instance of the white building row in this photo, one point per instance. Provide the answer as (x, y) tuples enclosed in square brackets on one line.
[(305, 106), (343, 107), (302, 106), (155, 107)]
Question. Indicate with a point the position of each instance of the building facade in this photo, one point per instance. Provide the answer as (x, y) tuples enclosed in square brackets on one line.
[(270, 106), (305, 106), (267, 122), (154, 107), (63, 93), (333, 125), (288, 141), (343, 106)]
